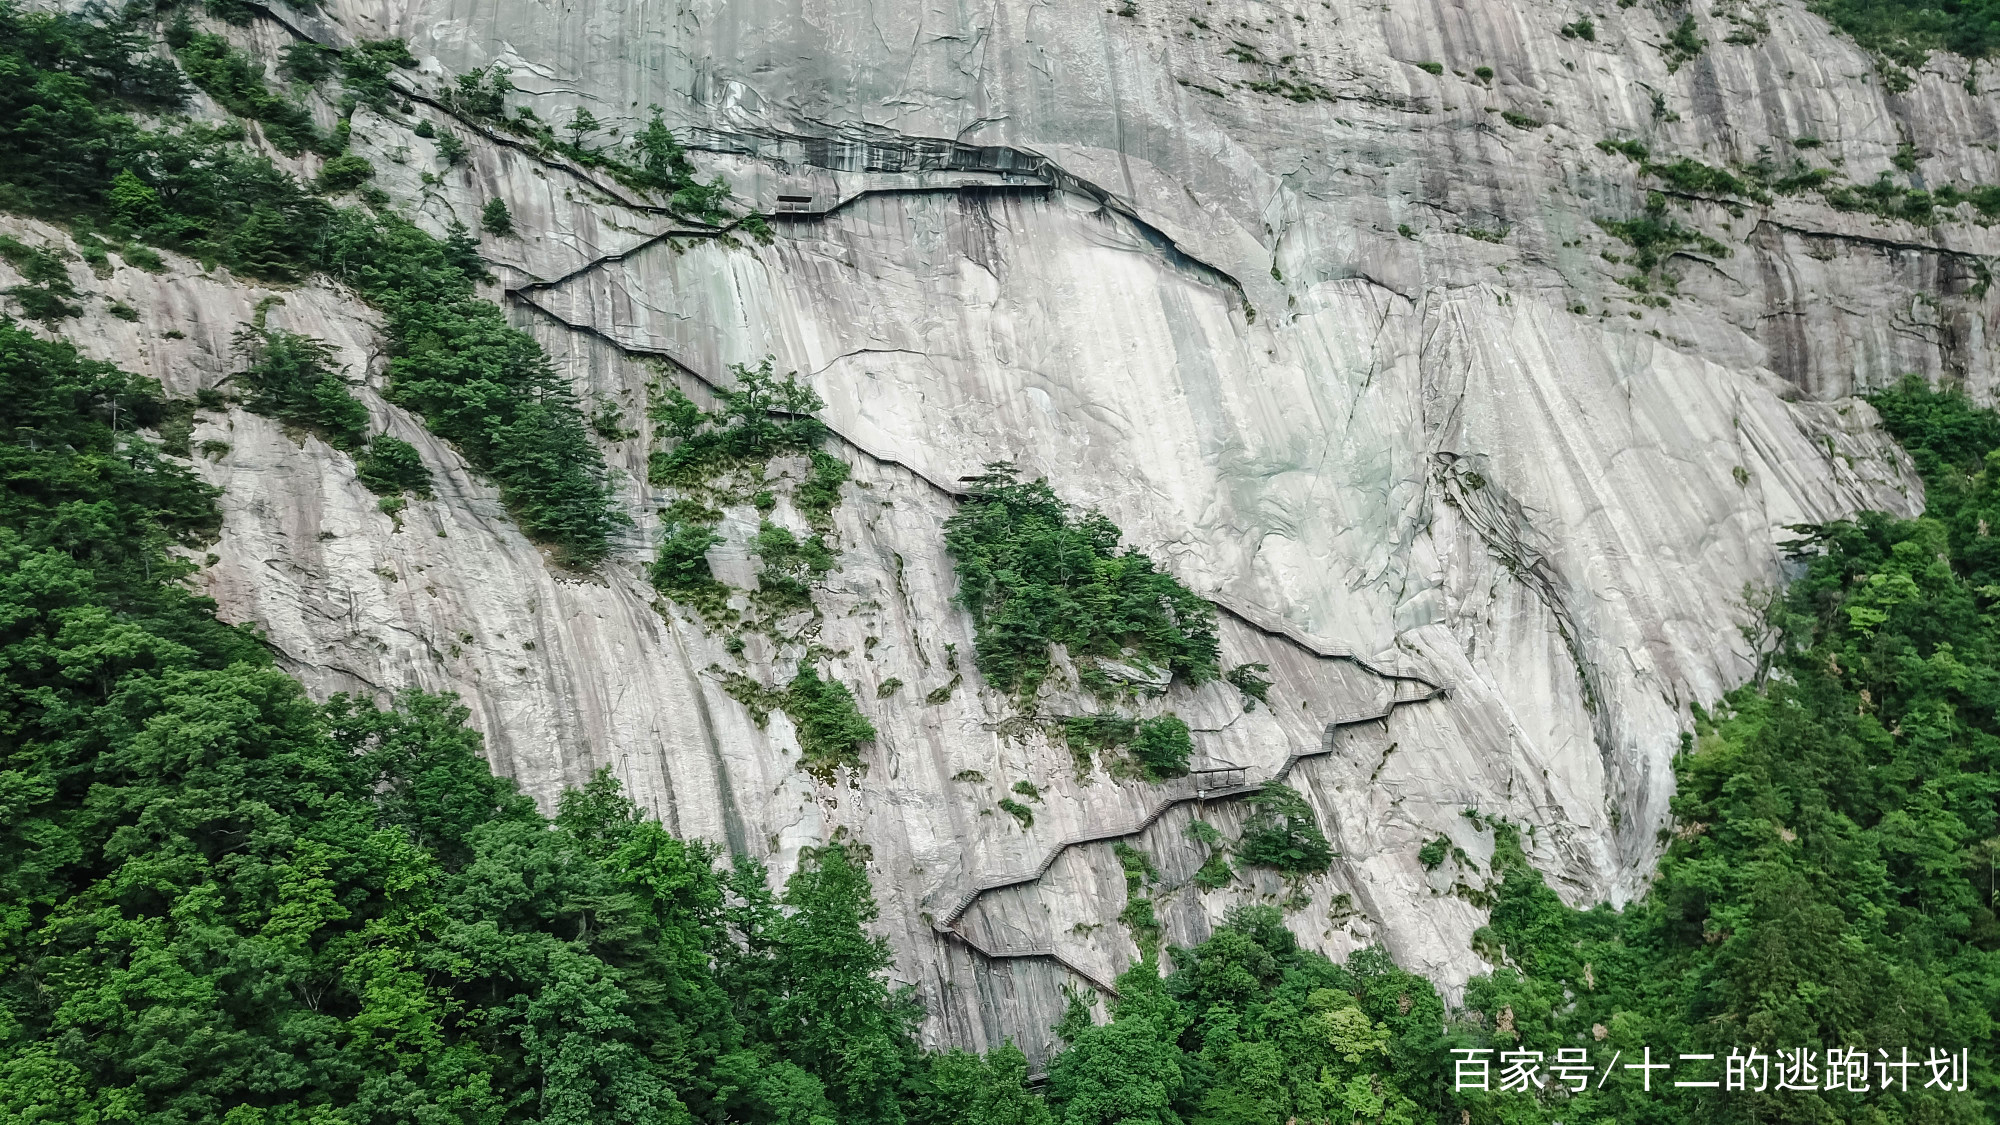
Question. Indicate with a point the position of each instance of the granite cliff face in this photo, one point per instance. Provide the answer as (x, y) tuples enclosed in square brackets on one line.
[(1337, 339)]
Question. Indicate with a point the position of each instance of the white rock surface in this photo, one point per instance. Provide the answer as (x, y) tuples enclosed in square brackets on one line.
[(1414, 450)]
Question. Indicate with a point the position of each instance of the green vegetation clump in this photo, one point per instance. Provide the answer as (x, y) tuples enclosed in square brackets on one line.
[(1697, 178), (1629, 148), (1520, 120), (1691, 176), (831, 728), (818, 495), (791, 565), (479, 383), (1304, 91), (682, 563), (761, 417), (652, 160), (1431, 67), (1582, 29), (1953, 445), (607, 421), (1683, 44), (308, 62), (1251, 1028), (1214, 872), (345, 173), (1655, 237), (1162, 747), (786, 555), (83, 497), (680, 570), (1283, 834), (393, 466), (1249, 679), (721, 455), (236, 81), (1138, 916), (45, 291), (235, 13), (1155, 749), (1434, 852), (1759, 181), (1090, 735), (1884, 198), (495, 219), (1020, 812), (1034, 573), (1907, 31), (291, 378), (366, 66), (58, 145), (1802, 178)]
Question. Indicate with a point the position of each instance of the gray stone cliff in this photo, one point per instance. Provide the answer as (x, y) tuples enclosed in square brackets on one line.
[(1354, 366)]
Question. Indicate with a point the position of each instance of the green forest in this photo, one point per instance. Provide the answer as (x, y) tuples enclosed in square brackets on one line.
[(222, 901)]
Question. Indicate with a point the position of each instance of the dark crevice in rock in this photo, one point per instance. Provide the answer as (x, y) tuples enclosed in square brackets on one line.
[(1866, 240)]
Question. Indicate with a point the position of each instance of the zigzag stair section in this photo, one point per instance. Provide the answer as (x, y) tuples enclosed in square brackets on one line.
[(1013, 165), (1407, 690)]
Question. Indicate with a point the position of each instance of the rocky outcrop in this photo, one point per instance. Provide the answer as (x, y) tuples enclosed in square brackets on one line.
[(1334, 337)]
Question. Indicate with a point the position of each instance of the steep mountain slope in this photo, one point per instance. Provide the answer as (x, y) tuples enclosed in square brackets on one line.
[(1340, 313)]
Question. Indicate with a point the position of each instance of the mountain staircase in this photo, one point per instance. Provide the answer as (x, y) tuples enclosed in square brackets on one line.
[(1199, 787)]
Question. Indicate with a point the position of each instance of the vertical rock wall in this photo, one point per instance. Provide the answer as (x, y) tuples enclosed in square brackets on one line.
[(1346, 352)]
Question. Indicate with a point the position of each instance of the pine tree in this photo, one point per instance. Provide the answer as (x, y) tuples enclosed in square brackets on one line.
[(836, 1016), (581, 125), (495, 219)]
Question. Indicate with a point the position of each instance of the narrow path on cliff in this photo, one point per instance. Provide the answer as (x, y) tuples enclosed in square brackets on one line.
[(903, 155), (1406, 688)]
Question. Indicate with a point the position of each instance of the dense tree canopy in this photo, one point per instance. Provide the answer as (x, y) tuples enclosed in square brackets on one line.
[(1908, 30), (1830, 881)]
